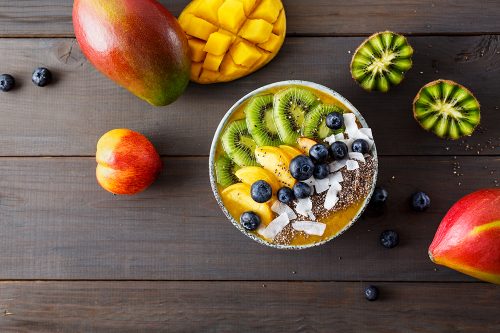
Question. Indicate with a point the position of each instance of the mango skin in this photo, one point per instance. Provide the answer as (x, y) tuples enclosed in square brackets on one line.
[(127, 162), (137, 44), (468, 238)]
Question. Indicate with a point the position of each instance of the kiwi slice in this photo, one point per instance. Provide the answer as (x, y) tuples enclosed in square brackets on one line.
[(291, 107), (381, 61), (315, 122), (446, 108), (260, 122), (239, 144), (224, 171)]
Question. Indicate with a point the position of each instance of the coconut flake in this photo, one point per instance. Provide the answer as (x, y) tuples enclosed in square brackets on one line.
[(339, 136), (351, 127), (335, 186), (311, 215), (352, 165), (357, 157), (331, 198), (322, 185), (337, 165), (274, 227), (303, 206), (331, 139), (367, 131), (280, 208), (310, 228), (336, 177)]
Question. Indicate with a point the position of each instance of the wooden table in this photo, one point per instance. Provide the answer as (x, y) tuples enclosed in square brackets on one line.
[(77, 259)]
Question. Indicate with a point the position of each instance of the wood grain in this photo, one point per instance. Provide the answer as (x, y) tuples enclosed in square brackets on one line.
[(69, 117), (57, 223), (325, 18), (123, 307)]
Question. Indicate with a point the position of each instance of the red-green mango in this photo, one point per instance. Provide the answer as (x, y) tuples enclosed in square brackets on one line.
[(136, 43), (468, 238)]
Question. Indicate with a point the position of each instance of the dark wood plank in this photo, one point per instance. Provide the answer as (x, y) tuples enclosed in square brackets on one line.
[(318, 17), (69, 117), (57, 223), (48, 307)]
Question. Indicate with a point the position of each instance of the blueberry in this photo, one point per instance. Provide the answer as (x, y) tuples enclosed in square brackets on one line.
[(250, 220), (302, 190), (420, 201), (318, 153), (379, 197), (389, 239), (285, 195), (7, 82), (338, 150), (321, 171), (371, 293), (41, 77), (360, 146), (261, 191), (334, 120), (301, 167)]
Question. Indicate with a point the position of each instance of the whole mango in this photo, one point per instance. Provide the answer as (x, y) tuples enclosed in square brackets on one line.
[(232, 38), (468, 238), (127, 162), (137, 44)]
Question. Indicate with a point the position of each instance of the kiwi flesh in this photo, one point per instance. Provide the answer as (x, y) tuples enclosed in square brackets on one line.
[(381, 61), (224, 171), (291, 107), (239, 144), (315, 122), (447, 109), (260, 122)]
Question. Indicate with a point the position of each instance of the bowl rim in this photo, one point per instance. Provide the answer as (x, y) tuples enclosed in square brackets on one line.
[(223, 123)]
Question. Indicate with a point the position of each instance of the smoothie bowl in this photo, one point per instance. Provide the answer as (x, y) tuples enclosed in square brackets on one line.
[(293, 164)]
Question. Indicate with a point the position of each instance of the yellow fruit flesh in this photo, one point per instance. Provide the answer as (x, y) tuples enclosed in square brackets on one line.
[(237, 36), (237, 200), (291, 151), (251, 174), (276, 161), (305, 144)]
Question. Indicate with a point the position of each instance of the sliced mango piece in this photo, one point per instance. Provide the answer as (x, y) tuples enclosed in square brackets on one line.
[(196, 69), (198, 27), (280, 24), (257, 31), (218, 43), (208, 76), (251, 174), (196, 46), (237, 200), (208, 10), (273, 43), (290, 151), (248, 6), (244, 54), (212, 62), (229, 68), (268, 10), (305, 144), (231, 15), (277, 161)]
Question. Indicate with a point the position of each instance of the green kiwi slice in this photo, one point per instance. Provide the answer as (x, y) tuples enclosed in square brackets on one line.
[(260, 122), (315, 122), (224, 171), (239, 144), (291, 107), (446, 108), (381, 61)]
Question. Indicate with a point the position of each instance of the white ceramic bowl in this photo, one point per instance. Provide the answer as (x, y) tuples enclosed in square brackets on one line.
[(223, 123)]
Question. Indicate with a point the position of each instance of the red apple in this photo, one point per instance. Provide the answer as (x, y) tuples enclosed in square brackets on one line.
[(468, 238)]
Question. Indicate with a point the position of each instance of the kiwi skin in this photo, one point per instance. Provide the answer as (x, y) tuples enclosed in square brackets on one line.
[(449, 82)]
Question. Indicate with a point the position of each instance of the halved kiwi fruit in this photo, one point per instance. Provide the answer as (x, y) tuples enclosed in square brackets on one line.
[(239, 144), (446, 108), (315, 122), (224, 171), (291, 107), (381, 61), (260, 122)]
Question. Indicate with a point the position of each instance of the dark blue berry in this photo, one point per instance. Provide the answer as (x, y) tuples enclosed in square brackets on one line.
[(360, 146), (338, 150), (334, 120), (285, 195), (371, 293), (250, 220), (420, 201), (321, 171), (379, 197), (302, 190), (318, 153), (7, 82), (41, 77), (261, 191), (301, 167), (389, 239)]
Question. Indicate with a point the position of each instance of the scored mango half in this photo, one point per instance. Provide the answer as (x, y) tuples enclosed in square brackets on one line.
[(230, 39)]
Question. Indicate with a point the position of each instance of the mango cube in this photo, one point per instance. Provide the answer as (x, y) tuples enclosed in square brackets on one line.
[(280, 24), (272, 44), (257, 31), (208, 76), (231, 15), (207, 9), (229, 69), (248, 5), (198, 27), (227, 33), (245, 54), (212, 62), (196, 46), (267, 10), (218, 43), (196, 69)]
